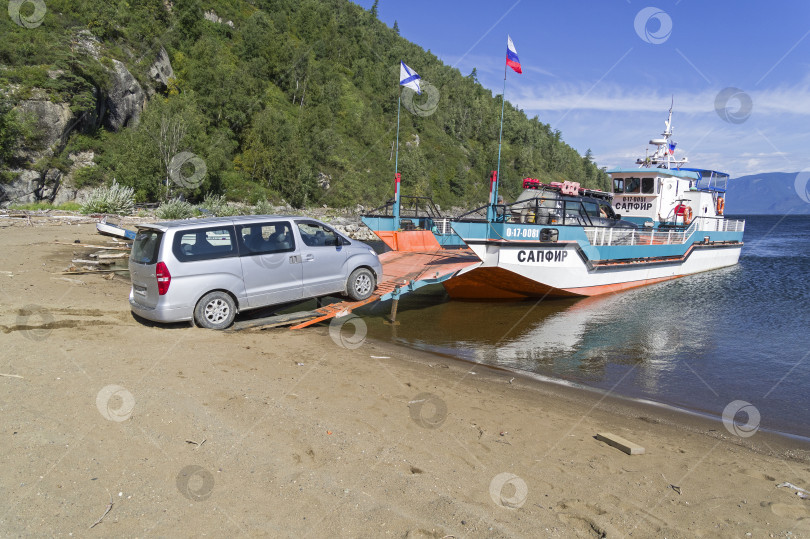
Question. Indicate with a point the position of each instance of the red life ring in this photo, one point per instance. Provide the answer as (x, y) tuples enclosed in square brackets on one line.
[(721, 205)]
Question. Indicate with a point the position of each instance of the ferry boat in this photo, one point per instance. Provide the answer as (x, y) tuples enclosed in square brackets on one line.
[(661, 221)]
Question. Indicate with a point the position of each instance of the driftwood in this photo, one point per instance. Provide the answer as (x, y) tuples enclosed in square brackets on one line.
[(109, 508), (79, 272), (101, 256), (92, 262), (109, 248)]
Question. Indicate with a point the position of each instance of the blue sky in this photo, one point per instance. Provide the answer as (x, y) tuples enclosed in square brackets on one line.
[(603, 72)]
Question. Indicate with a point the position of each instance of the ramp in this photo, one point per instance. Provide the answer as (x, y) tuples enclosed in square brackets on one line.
[(403, 272)]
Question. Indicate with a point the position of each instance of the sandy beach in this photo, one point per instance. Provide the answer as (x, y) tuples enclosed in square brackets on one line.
[(145, 430)]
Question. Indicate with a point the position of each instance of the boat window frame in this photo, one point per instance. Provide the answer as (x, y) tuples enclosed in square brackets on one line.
[(628, 185), (579, 218), (591, 213)]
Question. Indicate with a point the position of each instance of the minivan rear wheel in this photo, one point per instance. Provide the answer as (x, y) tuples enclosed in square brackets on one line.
[(360, 285), (216, 310)]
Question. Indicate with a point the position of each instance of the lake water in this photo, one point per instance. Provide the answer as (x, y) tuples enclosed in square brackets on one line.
[(699, 342)]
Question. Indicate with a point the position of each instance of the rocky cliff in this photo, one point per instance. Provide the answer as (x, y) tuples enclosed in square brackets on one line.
[(35, 177)]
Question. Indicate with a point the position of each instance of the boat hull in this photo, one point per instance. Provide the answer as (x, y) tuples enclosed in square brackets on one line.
[(107, 229), (513, 272)]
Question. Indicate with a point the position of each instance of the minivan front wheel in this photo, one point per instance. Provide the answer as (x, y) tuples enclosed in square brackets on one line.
[(216, 310), (360, 285)]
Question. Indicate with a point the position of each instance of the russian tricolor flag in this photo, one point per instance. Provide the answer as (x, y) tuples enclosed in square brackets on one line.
[(511, 56), (672, 148)]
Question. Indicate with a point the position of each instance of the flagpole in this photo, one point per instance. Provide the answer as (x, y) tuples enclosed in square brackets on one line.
[(396, 159), (500, 138), (396, 167)]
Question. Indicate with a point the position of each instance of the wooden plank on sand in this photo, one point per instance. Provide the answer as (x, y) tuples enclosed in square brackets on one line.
[(620, 443), (106, 256), (109, 248), (272, 321)]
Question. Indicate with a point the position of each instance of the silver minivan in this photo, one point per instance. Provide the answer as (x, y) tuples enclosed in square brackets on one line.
[(207, 270)]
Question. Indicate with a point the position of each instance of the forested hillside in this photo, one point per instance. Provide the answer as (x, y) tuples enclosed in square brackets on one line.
[(279, 99)]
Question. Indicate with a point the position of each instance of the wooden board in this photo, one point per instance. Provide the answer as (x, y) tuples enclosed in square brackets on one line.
[(620, 443), (109, 248), (272, 321)]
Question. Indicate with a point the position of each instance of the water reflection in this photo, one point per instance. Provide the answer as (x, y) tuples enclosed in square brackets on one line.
[(579, 340), (698, 342)]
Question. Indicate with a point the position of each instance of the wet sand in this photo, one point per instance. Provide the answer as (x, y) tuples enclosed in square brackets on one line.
[(313, 433)]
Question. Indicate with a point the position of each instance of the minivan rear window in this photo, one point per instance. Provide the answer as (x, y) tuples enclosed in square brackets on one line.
[(146, 246), (204, 244)]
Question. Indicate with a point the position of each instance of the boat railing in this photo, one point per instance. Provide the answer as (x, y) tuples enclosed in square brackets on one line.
[(442, 227), (600, 236), (409, 207), (479, 214), (549, 209), (421, 211)]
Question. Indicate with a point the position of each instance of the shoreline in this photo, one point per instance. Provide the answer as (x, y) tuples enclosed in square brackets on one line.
[(764, 440), (292, 434)]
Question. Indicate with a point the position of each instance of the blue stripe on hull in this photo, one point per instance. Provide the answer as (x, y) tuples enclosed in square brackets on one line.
[(516, 234)]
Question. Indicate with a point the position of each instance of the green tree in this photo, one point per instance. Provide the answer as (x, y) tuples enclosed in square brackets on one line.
[(294, 89)]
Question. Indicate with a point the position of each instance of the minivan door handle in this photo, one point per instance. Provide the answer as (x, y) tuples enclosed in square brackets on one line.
[(309, 258), (295, 259)]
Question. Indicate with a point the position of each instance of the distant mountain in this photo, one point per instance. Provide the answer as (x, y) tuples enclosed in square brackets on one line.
[(772, 193)]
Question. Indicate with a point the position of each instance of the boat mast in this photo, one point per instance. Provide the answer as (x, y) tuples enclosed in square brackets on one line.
[(668, 133), (664, 154)]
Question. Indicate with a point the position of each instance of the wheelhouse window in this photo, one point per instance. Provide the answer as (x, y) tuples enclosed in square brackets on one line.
[(632, 185), (648, 186), (618, 185)]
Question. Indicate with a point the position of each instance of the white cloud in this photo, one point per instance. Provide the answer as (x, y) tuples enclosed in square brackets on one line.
[(616, 120), (611, 97)]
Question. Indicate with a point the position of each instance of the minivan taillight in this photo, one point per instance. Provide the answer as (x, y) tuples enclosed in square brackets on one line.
[(164, 278)]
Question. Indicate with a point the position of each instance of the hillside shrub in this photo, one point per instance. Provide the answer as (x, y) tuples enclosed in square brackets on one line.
[(116, 198), (174, 209)]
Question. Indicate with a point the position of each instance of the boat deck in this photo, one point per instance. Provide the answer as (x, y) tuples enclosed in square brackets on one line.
[(403, 272)]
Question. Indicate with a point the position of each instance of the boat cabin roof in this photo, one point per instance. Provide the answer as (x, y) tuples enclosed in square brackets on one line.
[(706, 173), (690, 174)]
